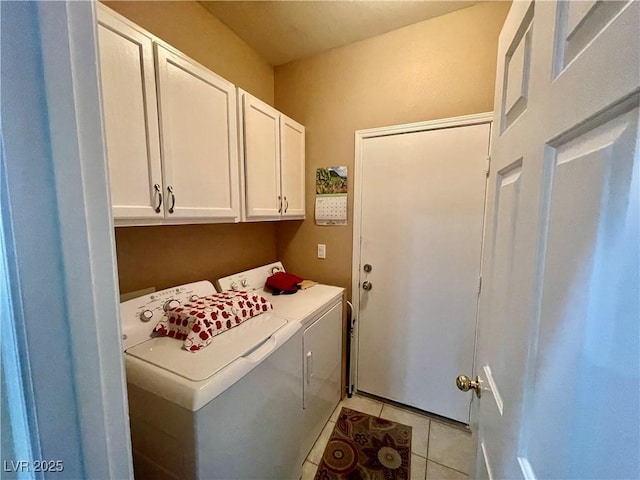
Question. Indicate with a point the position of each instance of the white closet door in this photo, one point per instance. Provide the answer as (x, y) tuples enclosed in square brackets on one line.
[(131, 118), (292, 165), (421, 232), (199, 140), (262, 159)]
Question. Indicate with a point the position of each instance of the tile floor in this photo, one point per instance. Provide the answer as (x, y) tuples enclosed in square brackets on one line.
[(438, 451)]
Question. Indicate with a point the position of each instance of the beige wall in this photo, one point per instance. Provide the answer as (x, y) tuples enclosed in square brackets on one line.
[(190, 28), (165, 256), (438, 68), (170, 255)]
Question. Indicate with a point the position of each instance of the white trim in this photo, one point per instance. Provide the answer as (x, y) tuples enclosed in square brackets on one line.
[(240, 93), (18, 395), (474, 412), (360, 136), (355, 253), (31, 225), (71, 79), (465, 120)]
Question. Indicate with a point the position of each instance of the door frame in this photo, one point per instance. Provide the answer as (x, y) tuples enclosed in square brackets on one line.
[(60, 247), (360, 137)]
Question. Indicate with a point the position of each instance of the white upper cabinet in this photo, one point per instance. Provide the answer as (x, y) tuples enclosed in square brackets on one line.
[(262, 159), (199, 139), (171, 129), (292, 167), (131, 119), (274, 154)]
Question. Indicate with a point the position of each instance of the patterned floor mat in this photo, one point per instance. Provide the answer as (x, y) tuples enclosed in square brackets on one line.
[(363, 447)]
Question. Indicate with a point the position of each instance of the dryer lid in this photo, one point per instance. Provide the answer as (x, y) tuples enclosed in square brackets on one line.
[(167, 353), (305, 304)]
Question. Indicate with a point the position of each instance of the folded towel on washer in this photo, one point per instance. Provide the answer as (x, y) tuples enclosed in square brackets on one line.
[(283, 282), (306, 284), (197, 322)]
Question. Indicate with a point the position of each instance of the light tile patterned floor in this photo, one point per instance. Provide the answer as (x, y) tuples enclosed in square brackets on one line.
[(438, 451)]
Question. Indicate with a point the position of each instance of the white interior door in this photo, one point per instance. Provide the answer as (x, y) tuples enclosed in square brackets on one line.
[(558, 346), (199, 139), (422, 200), (131, 118)]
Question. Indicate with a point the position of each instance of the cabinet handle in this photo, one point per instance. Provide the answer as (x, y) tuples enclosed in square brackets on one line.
[(286, 204), (158, 190), (173, 198), (280, 203), (309, 366)]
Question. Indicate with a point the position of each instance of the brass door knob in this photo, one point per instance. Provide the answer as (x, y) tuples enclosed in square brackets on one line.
[(367, 286), (465, 384)]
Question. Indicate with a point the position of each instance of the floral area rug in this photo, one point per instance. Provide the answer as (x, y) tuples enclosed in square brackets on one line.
[(362, 447)]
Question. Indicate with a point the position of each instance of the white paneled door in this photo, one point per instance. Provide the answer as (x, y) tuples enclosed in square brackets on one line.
[(558, 349), (421, 215)]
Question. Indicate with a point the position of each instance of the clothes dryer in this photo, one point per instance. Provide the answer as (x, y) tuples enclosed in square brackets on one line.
[(319, 312)]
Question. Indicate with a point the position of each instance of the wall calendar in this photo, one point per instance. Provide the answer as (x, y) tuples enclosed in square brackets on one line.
[(331, 196)]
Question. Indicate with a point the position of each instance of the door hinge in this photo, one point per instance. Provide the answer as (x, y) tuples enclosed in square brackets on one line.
[(488, 165), (479, 284)]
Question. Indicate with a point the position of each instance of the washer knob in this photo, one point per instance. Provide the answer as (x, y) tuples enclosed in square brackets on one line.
[(244, 282), (146, 315), (170, 304), (234, 286), (193, 298)]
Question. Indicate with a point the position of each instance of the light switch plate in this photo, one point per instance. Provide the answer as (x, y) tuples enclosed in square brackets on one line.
[(322, 250)]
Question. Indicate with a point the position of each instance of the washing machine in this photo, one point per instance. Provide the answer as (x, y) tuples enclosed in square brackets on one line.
[(229, 411)]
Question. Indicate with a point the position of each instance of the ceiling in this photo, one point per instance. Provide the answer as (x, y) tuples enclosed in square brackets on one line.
[(283, 31)]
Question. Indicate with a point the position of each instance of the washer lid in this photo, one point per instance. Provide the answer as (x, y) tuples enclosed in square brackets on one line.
[(167, 353)]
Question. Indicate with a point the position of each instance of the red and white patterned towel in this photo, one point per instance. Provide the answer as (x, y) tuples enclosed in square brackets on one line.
[(197, 322)]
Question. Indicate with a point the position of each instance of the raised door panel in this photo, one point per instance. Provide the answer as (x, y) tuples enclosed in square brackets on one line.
[(262, 160), (587, 319), (199, 140), (131, 119), (292, 165), (497, 354)]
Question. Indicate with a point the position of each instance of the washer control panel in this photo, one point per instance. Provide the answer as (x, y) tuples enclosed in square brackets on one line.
[(139, 316), (249, 280)]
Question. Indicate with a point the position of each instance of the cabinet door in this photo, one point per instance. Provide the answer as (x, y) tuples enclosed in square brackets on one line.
[(131, 119), (199, 140), (322, 342), (292, 167), (262, 159)]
